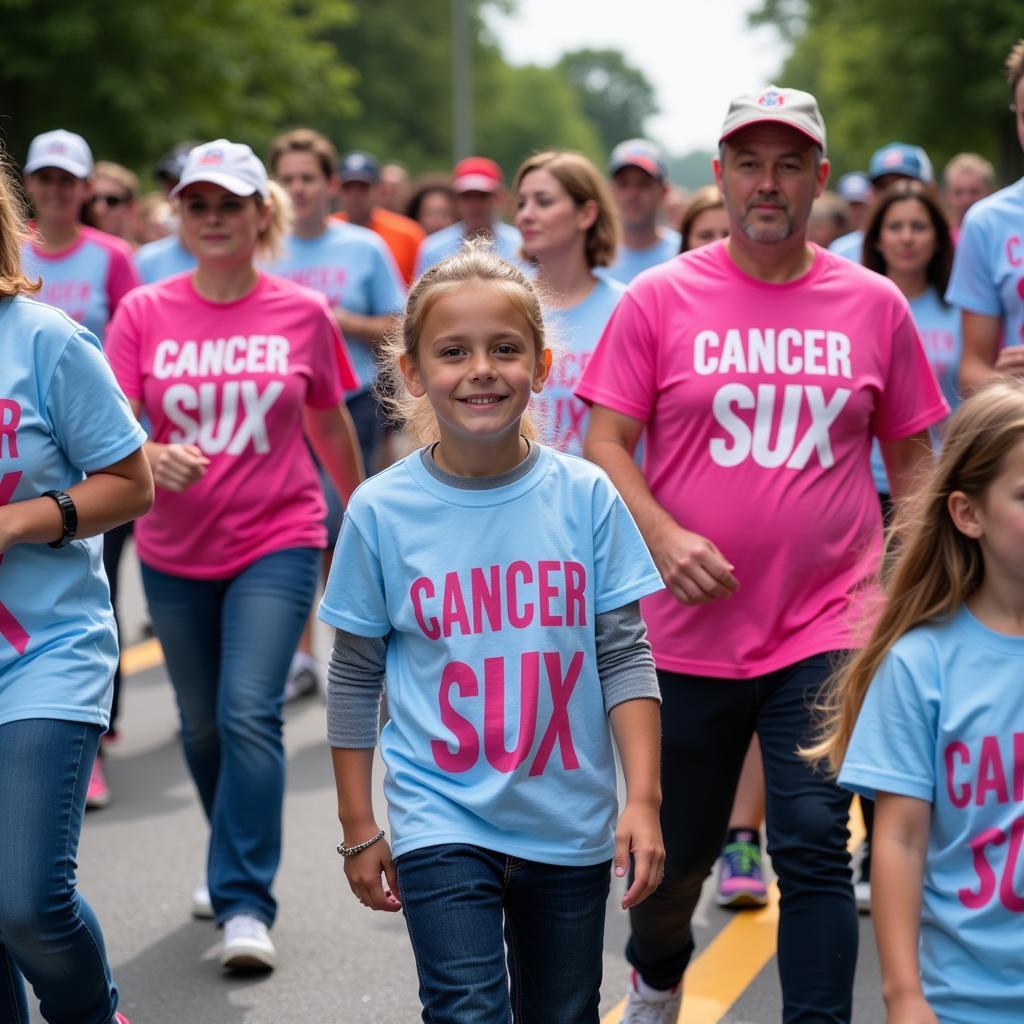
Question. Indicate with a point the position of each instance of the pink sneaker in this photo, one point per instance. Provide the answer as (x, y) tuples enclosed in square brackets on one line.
[(120, 1018), (98, 793)]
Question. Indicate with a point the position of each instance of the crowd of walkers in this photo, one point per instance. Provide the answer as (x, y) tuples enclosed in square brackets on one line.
[(733, 500)]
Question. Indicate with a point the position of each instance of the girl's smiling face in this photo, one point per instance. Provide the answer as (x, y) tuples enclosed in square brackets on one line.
[(477, 362)]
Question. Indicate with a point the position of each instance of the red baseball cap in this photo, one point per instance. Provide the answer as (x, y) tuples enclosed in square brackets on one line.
[(476, 174)]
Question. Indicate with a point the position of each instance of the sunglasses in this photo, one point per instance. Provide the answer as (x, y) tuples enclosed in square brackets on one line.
[(111, 200)]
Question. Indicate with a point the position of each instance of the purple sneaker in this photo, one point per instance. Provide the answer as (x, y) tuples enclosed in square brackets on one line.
[(740, 880)]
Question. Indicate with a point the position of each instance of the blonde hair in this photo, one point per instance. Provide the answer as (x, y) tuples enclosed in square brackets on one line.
[(584, 182), (270, 244), (974, 162), (935, 567), (118, 174), (13, 280), (476, 261), (1015, 66), (304, 140)]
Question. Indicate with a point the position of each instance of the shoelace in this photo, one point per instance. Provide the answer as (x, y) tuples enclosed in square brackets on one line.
[(245, 927), (650, 1012), (742, 858)]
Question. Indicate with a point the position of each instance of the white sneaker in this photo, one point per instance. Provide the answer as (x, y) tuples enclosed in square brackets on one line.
[(247, 945), (202, 906), (646, 1005), (303, 678), (862, 894)]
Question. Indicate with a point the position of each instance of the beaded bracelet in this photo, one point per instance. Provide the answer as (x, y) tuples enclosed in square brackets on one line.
[(351, 851)]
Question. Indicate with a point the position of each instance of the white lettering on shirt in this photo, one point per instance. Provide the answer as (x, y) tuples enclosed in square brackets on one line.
[(207, 415), (759, 351), (216, 357)]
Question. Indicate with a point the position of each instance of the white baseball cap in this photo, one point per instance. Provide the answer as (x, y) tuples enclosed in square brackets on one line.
[(232, 165), (776, 105), (66, 150)]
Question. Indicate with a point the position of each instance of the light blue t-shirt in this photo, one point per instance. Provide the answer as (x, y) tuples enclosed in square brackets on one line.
[(163, 258), (939, 326), (61, 415), (988, 269), (576, 331), (448, 241), (498, 734), (850, 245), (87, 279), (943, 721), (630, 262), (354, 268)]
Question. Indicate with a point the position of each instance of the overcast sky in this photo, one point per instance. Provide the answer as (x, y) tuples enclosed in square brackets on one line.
[(697, 54)]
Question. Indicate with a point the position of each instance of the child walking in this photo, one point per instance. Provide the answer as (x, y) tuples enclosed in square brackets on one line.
[(928, 719), (497, 582)]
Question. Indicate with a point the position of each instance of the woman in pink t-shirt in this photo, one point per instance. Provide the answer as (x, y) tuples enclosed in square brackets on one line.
[(235, 369)]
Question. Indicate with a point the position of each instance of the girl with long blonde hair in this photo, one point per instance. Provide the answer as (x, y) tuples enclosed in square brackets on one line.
[(928, 719)]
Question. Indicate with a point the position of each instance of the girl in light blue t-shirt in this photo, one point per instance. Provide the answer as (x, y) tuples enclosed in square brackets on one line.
[(928, 719), (495, 582)]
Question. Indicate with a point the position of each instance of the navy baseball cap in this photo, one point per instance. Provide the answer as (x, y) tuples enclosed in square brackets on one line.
[(358, 166), (903, 159), (639, 153)]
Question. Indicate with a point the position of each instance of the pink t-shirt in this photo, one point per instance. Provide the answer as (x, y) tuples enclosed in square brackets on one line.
[(231, 378), (760, 401)]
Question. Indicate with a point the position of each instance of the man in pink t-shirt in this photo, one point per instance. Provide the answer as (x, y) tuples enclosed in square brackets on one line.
[(760, 367)]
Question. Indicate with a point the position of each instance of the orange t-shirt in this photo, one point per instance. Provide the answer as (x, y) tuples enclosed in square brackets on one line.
[(401, 235)]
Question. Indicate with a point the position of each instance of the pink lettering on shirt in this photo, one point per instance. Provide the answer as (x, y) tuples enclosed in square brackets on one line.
[(10, 628)]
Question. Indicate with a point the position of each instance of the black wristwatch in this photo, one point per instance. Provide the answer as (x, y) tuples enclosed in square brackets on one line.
[(69, 514)]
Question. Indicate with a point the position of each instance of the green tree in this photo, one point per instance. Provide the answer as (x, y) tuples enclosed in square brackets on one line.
[(922, 71), (402, 55), (136, 78), (614, 95), (530, 109)]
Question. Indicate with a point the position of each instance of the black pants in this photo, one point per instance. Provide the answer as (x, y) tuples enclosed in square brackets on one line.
[(113, 548), (707, 725)]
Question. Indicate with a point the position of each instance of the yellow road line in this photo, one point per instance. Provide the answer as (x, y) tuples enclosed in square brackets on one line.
[(139, 657), (717, 978)]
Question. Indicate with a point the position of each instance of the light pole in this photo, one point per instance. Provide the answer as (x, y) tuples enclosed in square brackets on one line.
[(462, 82)]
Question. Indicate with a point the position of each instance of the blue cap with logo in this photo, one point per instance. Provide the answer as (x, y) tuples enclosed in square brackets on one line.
[(357, 166), (903, 159)]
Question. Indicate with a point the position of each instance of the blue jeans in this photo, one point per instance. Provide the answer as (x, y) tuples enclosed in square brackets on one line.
[(228, 644), (48, 933), (465, 905), (707, 724)]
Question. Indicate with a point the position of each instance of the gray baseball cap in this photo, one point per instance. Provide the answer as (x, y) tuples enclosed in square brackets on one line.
[(776, 105)]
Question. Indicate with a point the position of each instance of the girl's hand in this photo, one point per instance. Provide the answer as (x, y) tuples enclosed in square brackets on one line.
[(910, 1009), (364, 870), (639, 833), (176, 467)]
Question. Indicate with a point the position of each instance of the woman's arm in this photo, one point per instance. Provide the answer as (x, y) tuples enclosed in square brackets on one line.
[(899, 845), (105, 499), (368, 329), (332, 434), (176, 467), (636, 725)]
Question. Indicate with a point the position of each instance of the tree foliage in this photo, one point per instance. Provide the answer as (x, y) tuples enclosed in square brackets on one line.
[(402, 56), (928, 72), (136, 78), (614, 95)]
